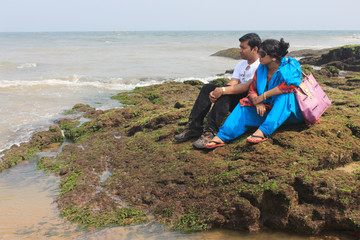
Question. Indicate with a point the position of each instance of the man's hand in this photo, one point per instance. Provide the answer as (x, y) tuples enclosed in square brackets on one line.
[(260, 109), (214, 95)]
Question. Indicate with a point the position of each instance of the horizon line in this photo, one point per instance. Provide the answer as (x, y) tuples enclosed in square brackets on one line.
[(124, 31)]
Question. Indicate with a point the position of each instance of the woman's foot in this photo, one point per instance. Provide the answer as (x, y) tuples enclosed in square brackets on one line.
[(257, 137), (214, 143)]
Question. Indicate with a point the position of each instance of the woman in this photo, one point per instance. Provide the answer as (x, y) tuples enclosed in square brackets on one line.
[(270, 101)]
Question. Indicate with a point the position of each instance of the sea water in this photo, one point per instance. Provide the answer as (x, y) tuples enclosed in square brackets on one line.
[(42, 75)]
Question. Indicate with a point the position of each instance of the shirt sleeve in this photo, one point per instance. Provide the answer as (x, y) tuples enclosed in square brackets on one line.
[(236, 73)]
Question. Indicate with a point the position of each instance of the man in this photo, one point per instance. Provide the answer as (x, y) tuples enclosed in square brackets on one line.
[(225, 98)]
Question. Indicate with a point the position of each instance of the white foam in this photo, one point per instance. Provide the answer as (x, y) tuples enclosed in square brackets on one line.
[(204, 80), (75, 81), (27, 65), (78, 81)]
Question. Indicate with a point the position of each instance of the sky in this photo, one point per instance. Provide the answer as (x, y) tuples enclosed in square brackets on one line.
[(177, 15)]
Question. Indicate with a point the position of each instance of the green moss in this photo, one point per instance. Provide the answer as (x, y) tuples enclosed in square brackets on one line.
[(131, 98), (190, 222), (197, 83), (77, 133), (70, 182), (126, 98), (49, 165), (88, 217), (154, 98), (333, 69), (220, 81), (67, 125)]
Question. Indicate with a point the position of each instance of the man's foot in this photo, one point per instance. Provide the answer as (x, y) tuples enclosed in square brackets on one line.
[(257, 137), (187, 134), (203, 140)]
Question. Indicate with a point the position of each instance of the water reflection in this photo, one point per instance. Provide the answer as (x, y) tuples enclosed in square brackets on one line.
[(160, 232), (27, 204)]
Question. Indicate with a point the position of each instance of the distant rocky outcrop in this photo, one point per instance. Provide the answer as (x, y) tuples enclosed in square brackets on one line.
[(307, 53), (229, 53), (234, 53), (344, 58)]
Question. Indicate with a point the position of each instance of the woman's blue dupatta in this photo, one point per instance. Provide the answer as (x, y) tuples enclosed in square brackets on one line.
[(289, 71)]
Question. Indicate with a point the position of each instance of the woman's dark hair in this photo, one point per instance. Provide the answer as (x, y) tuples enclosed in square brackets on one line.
[(253, 38), (275, 48)]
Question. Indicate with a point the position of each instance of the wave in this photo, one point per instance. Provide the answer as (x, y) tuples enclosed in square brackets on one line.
[(102, 83), (27, 65), (13, 65)]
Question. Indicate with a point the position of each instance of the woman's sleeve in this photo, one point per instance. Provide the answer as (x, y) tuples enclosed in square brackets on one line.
[(284, 88), (253, 88)]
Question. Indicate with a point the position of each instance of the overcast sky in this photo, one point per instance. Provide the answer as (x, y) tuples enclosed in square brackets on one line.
[(148, 15)]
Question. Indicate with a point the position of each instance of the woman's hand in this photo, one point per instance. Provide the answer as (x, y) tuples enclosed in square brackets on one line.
[(260, 109), (257, 100), (214, 95)]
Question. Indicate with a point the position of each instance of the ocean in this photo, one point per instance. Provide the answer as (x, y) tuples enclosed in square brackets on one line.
[(42, 75)]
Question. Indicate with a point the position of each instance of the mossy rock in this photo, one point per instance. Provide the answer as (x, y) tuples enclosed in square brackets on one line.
[(229, 53), (27, 150), (291, 182), (344, 58), (220, 81)]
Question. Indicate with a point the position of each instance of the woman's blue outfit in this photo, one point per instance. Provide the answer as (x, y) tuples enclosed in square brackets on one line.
[(285, 109)]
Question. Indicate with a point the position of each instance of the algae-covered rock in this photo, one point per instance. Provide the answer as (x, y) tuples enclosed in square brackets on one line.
[(229, 53), (125, 162), (344, 58), (25, 151), (307, 52)]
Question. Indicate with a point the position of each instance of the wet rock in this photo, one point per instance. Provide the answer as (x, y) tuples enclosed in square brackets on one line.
[(27, 150), (344, 58)]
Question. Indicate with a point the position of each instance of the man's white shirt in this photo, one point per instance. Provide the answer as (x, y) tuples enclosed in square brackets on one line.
[(244, 72)]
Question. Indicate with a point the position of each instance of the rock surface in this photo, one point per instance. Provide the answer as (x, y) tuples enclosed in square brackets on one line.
[(344, 58), (124, 167), (229, 53)]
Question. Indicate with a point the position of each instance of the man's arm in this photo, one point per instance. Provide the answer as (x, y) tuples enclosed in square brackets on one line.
[(234, 88), (233, 81)]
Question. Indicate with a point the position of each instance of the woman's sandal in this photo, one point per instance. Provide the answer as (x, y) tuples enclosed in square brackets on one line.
[(218, 144), (261, 139)]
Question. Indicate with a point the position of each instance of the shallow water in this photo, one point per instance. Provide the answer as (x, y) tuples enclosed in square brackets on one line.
[(27, 204)]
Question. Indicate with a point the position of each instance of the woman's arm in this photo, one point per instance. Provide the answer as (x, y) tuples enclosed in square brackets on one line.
[(281, 89), (266, 95)]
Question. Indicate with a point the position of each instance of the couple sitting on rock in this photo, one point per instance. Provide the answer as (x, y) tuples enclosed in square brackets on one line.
[(259, 94)]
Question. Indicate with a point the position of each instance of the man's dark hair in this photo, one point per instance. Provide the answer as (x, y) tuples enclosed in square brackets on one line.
[(253, 38)]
